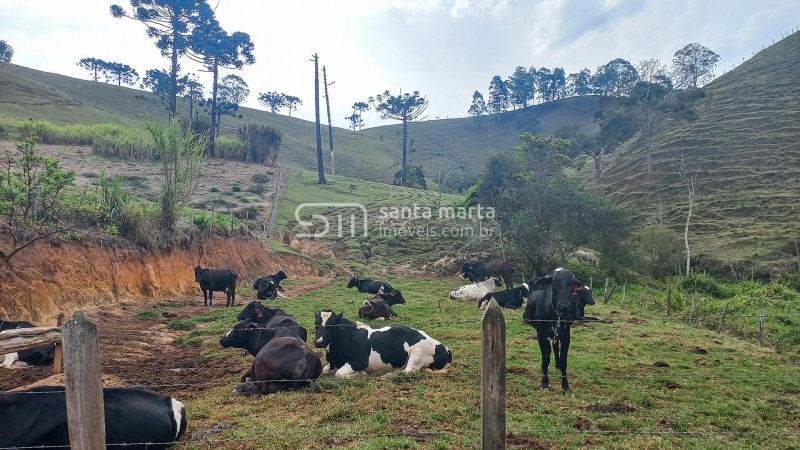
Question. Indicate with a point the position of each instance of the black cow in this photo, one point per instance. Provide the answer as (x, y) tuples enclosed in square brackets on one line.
[(377, 308), (374, 287), (478, 271), (135, 418), (551, 309), (37, 356), (510, 298), (351, 347), (263, 288), (282, 361), (223, 280), (585, 298), (272, 317)]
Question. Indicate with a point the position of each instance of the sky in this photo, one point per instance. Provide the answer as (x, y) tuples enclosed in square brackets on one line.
[(445, 49)]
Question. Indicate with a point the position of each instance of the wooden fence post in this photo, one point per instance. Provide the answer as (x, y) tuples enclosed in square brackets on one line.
[(83, 384), (669, 301), (722, 318), (761, 327), (493, 379), (607, 293), (59, 350)]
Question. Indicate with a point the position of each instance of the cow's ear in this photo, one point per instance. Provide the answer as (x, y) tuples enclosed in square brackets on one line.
[(542, 283)]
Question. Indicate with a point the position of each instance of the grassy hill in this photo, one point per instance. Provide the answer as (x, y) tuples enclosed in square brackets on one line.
[(746, 141)]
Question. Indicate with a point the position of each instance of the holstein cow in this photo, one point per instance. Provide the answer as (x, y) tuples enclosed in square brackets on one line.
[(355, 348), (374, 287), (135, 418), (479, 271), (377, 308), (37, 356), (551, 310), (282, 360), (584, 256), (272, 318), (211, 280), (510, 298), (476, 291), (263, 288)]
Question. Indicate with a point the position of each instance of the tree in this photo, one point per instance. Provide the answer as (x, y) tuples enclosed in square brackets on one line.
[(171, 23), (580, 83), (405, 108), (6, 52), (181, 156), (233, 91), (689, 179), (194, 91), (693, 65), (477, 109), (123, 73), (355, 121), (498, 96), (292, 102), (273, 100), (558, 84), (218, 49), (661, 249), (615, 127), (95, 66), (32, 188), (443, 171), (616, 78), (542, 81), (520, 87), (358, 109)]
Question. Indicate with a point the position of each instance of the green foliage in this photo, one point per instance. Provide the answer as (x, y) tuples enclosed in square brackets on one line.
[(148, 314), (6, 52), (260, 178), (705, 285), (236, 187), (106, 139), (790, 279), (214, 189), (231, 148), (263, 143), (256, 189), (661, 250)]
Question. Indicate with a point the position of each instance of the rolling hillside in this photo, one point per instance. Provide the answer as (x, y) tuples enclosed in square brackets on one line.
[(746, 142)]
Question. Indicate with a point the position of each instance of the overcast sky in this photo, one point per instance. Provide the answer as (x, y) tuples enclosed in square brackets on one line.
[(446, 49)]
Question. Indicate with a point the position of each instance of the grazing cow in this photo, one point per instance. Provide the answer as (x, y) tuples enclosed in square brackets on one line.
[(375, 287), (476, 291), (282, 361), (584, 256), (211, 280), (479, 271), (377, 308), (551, 310), (136, 419), (37, 356), (355, 348), (510, 298), (273, 318), (263, 288)]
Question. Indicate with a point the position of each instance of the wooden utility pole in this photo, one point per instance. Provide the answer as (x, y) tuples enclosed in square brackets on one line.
[(493, 378), (320, 165), (328, 106)]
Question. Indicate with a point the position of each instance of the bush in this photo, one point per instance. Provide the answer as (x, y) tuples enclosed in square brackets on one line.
[(263, 142), (790, 279), (705, 285), (230, 148), (260, 178), (147, 314), (256, 189), (236, 187)]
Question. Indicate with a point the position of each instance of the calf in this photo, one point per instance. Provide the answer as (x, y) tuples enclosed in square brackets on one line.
[(264, 290), (135, 418), (377, 308), (510, 298), (211, 280), (479, 271), (375, 287), (355, 348), (475, 291), (37, 356), (273, 318)]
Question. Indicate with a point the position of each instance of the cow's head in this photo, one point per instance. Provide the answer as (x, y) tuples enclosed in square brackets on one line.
[(466, 271), (280, 276), (353, 282), (324, 327), (393, 297), (254, 310), (240, 335), (525, 290), (564, 287), (585, 296), (198, 272)]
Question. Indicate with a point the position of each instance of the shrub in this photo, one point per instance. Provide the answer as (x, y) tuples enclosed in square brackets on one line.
[(236, 187), (260, 178), (263, 142), (147, 314), (705, 285), (256, 189), (790, 279), (214, 189), (230, 148)]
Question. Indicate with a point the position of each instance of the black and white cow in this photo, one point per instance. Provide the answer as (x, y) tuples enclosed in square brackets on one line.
[(273, 318), (377, 308), (282, 361), (354, 348), (135, 418), (223, 280), (510, 298), (37, 356), (263, 288), (375, 287)]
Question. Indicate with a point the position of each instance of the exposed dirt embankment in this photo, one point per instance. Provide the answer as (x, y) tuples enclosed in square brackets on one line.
[(47, 278)]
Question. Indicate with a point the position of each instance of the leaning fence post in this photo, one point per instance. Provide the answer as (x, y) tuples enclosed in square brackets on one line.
[(722, 318), (83, 384), (493, 378), (761, 327), (669, 301), (59, 349)]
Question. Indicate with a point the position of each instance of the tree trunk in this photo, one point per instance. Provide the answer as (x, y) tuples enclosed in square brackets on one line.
[(686, 229), (212, 136), (328, 106), (405, 138), (173, 79), (320, 165), (648, 148), (598, 168)]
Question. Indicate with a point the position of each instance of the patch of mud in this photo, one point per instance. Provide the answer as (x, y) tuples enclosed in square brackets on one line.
[(514, 440), (660, 364), (672, 385), (699, 350), (611, 408), (519, 371)]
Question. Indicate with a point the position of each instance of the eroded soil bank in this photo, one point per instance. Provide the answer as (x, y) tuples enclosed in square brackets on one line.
[(50, 277)]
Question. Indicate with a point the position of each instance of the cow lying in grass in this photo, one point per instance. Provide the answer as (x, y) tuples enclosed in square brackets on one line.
[(510, 298), (375, 287), (269, 287), (273, 317), (476, 291), (377, 308), (355, 348)]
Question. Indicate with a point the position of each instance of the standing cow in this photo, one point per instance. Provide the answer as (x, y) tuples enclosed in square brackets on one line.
[(223, 280), (478, 271)]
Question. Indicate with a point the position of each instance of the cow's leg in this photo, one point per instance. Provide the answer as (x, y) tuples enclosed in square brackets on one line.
[(205, 297), (544, 346), (346, 371), (327, 369), (562, 356), (233, 297)]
